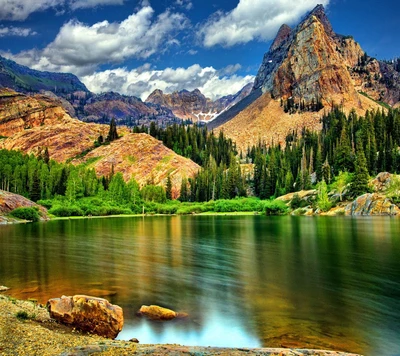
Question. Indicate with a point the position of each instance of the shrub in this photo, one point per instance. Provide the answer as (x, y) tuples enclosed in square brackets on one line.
[(68, 210), (275, 207), (22, 315), (297, 202), (47, 203), (31, 214)]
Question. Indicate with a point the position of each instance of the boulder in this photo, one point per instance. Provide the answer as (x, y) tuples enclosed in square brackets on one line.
[(154, 312), (372, 204), (305, 195), (382, 181), (3, 288), (90, 314)]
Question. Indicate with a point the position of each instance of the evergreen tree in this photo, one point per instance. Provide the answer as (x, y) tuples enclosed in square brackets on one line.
[(112, 133), (360, 182), (168, 189)]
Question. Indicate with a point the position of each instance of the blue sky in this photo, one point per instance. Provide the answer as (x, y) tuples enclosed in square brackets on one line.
[(134, 47)]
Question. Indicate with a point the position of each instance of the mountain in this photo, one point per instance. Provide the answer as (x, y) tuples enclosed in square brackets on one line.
[(79, 102), (194, 105), (31, 123), (308, 69), (23, 79), (126, 110)]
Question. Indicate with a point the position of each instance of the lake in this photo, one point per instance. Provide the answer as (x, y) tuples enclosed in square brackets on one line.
[(246, 281)]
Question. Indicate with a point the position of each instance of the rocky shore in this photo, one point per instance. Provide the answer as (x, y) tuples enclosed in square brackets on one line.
[(27, 329)]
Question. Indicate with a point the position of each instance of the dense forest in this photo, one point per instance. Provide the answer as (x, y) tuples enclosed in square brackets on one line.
[(347, 151), (349, 146)]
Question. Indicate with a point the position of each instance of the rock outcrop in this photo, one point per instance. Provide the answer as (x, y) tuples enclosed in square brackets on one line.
[(154, 312), (305, 195), (19, 112), (372, 204), (10, 201), (89, 314), (382, 181)]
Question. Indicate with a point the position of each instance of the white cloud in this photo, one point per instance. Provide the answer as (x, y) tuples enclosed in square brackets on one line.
[(143, 81), (16, 31), (253, 20), (19, 10), (81, 4), (80, 49), (187, 4)]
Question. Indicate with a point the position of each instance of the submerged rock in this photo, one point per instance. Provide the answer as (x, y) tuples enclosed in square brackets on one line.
[(155, 312), (94, 315), (3, 288), (372, 204)]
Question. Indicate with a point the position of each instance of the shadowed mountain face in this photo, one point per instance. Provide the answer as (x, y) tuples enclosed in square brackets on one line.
[(24, 79), (311, 63)]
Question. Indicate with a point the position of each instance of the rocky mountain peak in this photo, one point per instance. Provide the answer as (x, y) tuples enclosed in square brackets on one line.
[(319, 13), (282, 36), (308, 63)]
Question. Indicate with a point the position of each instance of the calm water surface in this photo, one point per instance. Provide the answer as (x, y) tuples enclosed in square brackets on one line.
[(246, 281)]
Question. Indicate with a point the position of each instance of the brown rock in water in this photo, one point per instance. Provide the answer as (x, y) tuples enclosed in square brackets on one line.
[(154, 312), (372, 204), (94, 315)]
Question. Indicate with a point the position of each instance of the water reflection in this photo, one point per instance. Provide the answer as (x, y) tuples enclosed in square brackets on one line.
[(245, 281)]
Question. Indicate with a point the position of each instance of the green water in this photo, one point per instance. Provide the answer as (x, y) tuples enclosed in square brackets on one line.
[(246, 281)]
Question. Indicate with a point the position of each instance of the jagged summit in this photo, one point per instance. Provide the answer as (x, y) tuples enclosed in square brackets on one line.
[(308, 62), (319, 12), (282, 36), (194, 104)]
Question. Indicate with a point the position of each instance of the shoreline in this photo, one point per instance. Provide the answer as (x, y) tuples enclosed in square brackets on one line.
[(38, 334)]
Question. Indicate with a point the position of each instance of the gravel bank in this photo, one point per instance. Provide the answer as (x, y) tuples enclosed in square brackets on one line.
[(26, 329)]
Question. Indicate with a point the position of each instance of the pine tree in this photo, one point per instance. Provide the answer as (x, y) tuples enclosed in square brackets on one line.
[(112, 133), (168, 189), (360, 181)]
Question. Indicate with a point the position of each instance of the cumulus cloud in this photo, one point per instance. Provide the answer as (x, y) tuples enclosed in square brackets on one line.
[(16, 31), (253, 20), (19, 10), (143, 81), (80, 49)]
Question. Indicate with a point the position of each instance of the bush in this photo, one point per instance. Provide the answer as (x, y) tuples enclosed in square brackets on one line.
[(22, 315), (297, 202), (25, 213), (275, 207), (47, 203), (65, 211)]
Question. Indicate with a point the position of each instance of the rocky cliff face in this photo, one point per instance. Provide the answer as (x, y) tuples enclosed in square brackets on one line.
[(312, 61), (305, 65), (19, 112), (194, 105)]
